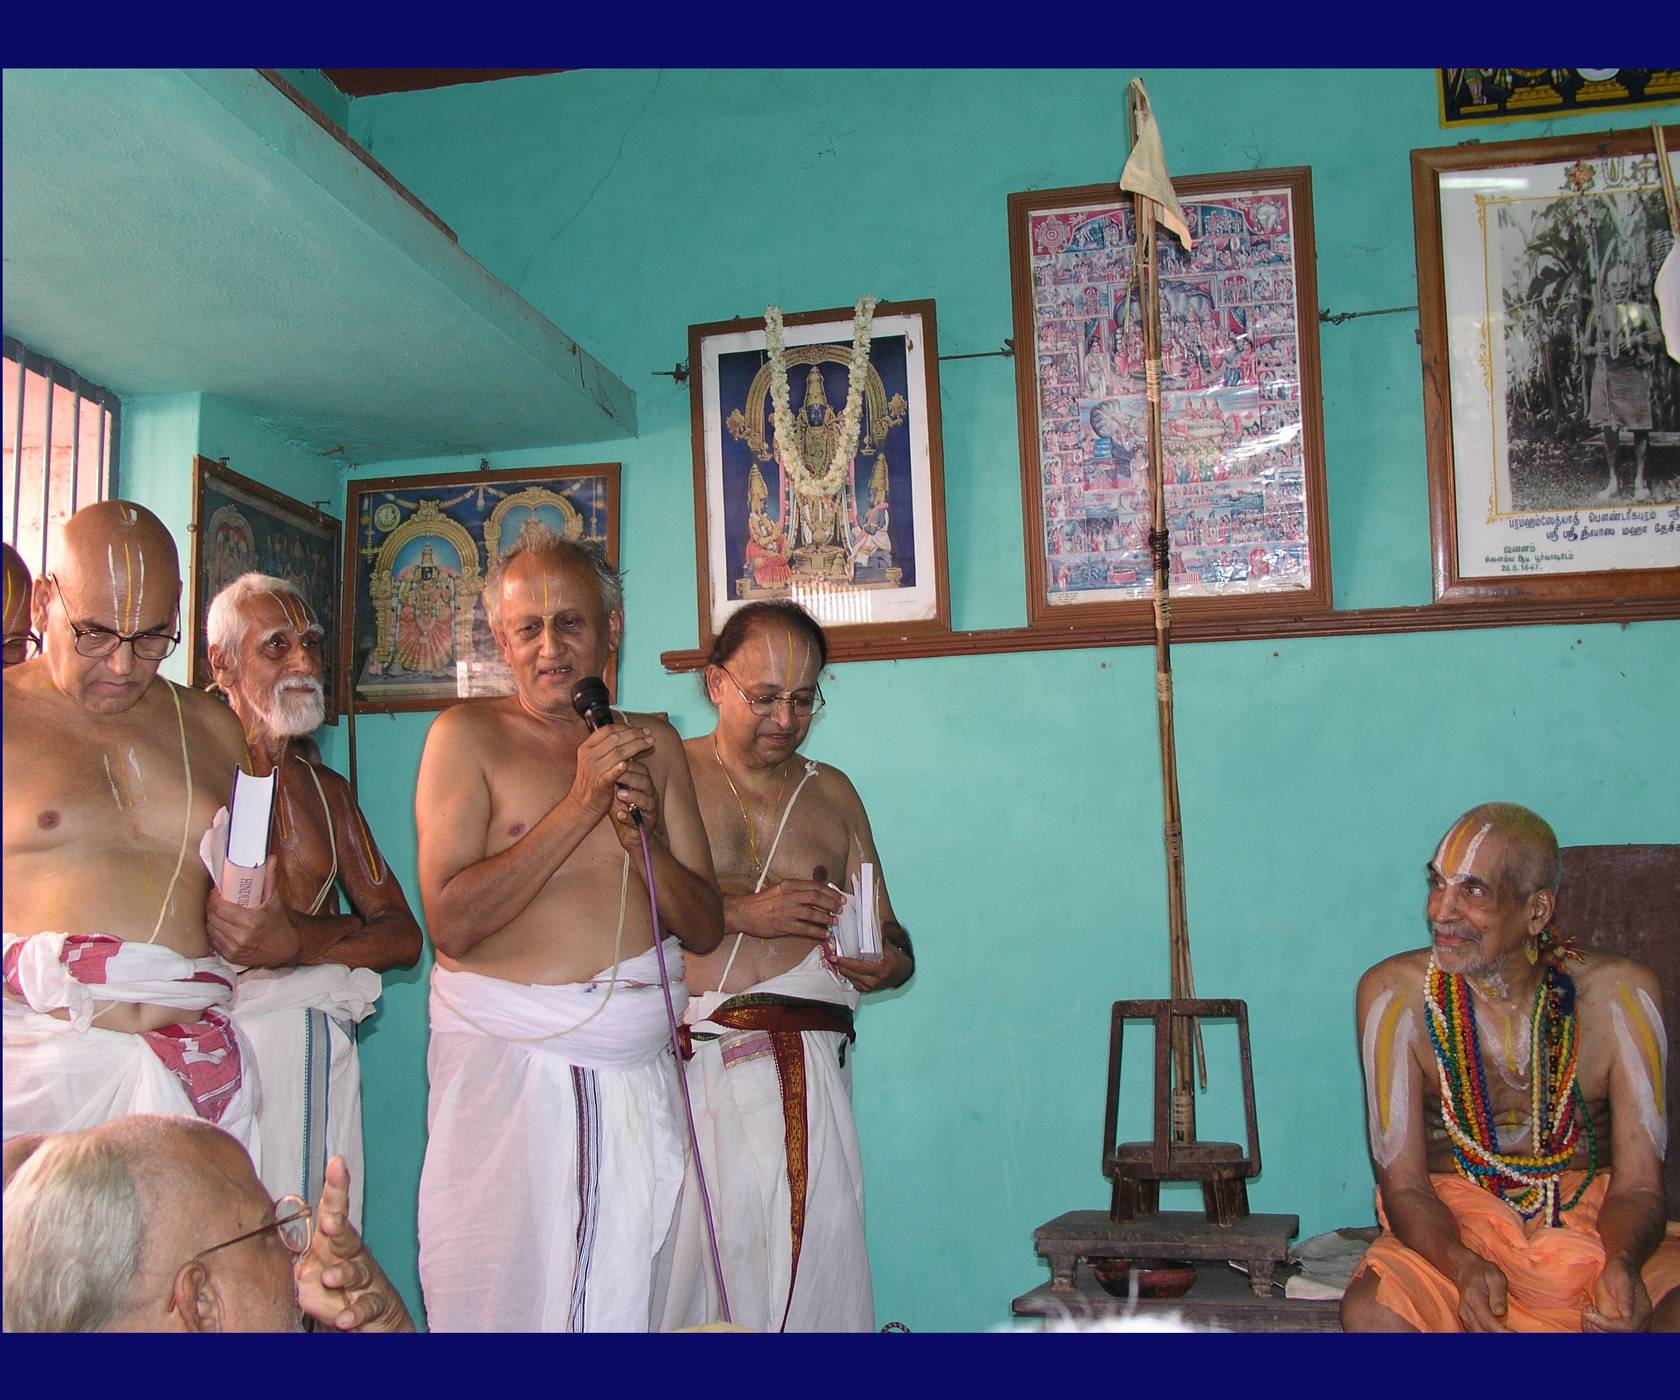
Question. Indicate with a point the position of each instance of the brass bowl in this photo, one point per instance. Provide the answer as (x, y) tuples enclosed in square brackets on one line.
[(1156, 1278)]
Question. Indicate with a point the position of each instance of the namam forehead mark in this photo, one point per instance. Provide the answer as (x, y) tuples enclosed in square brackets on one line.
[(1643, 1043), (543, 581), (1388, 1075), (17, 598), (289, 612), (1455, 857), (778, 656)]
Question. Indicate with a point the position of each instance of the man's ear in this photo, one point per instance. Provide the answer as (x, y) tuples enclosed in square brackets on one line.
[(222, 668), (1542, 904), (714, 687), (196, 1300), (40, 604), (615, 629)]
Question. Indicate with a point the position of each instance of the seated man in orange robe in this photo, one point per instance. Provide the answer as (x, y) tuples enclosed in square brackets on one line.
[(1515, 1091)]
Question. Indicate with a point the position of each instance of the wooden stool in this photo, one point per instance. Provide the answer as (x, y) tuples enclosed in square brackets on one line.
[(1137, 1169)]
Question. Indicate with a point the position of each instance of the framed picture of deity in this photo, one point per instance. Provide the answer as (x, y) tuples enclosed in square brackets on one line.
[(240, 526), (858, 539), (1472, 95), (1242, 435), (416, 555), (1551, 406)]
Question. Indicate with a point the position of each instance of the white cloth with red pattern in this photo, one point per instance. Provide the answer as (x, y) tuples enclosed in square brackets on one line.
[(68, 1075)]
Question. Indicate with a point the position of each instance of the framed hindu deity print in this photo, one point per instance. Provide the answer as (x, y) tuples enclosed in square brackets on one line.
[(1242, 436), (842, 510), (240, 526), (416, 557), (1551, 405)]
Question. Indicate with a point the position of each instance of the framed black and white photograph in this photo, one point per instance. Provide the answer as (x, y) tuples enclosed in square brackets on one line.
[(1552, 406)]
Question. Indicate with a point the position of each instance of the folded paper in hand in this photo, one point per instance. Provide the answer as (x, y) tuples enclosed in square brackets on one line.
[(857, 932), (235, 848)]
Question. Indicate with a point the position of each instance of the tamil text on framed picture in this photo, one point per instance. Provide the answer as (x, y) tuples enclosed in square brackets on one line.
[(1551, 407)]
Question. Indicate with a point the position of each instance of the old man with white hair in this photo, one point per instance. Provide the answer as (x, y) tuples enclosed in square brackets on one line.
[(309, 973), (153, 1223)]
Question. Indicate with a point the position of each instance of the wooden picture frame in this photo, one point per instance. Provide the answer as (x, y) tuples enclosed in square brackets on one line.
[(751, 542), (1473, 96), (1535, 262), (240, 525), (416, 557), (1241, 404)]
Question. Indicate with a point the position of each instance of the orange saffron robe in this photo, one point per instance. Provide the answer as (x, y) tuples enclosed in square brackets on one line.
[(1551, 1270)]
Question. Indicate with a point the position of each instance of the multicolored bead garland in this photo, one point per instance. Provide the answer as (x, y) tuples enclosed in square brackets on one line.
[(1558, 1111)]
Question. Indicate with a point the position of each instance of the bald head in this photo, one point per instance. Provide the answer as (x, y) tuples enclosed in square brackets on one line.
[(118, 558), (17, 606), (1530, 861), (17, 592)]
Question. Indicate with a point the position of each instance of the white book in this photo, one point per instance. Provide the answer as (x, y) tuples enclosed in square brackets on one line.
[(235, 848), (857, 933)]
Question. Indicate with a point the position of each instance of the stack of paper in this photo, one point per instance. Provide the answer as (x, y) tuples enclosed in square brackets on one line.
[(235, 848), (857, 932)]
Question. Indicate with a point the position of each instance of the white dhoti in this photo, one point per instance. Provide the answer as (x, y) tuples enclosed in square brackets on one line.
[(773, 1115), (68, 1075), (555, 1151), (301, 1026)]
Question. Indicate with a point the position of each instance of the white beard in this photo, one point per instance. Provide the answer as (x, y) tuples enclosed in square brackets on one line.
[(293, 708)]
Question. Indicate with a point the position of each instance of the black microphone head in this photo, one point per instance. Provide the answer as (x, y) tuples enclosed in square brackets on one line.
[(589, 699)]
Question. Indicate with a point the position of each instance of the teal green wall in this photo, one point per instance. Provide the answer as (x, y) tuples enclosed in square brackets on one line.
[(1315, 774), (162, 433), (1021, 836), (319, 89)]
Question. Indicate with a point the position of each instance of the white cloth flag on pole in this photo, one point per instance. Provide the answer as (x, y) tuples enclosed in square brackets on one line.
[(1146, 170)]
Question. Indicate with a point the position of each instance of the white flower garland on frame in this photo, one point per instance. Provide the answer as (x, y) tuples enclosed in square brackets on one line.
[(805, 482)]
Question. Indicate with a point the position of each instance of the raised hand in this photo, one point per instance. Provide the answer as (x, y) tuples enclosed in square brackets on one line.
[(339, 1283)]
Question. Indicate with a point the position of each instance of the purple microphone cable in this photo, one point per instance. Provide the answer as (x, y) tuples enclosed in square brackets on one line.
[(682, 1078)]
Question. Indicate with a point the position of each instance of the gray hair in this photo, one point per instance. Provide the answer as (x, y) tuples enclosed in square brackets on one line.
[(539, 539), (1533, 861), (227, 623), (72, 1237)]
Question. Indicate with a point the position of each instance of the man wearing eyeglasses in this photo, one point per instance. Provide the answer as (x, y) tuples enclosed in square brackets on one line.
[(771, 1009), (114, 1001), (308, 974), (159, 1224), (21, 642)]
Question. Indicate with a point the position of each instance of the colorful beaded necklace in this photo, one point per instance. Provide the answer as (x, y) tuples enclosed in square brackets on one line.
[(1558, 1109)]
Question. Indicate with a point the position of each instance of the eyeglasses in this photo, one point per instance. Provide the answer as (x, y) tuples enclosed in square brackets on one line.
[(95, 642), (294, 1222), (765, 705), (21, 647)]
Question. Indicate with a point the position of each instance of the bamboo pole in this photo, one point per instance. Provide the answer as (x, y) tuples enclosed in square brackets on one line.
[(1187, 1048)]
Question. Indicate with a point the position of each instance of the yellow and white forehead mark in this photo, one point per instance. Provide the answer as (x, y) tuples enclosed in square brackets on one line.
[(1386, 1046), (298, 615), (1455, 857), (1643, 1043)]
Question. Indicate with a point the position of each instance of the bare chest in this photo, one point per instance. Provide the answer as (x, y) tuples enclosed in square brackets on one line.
[(106, 781), (787, 834)]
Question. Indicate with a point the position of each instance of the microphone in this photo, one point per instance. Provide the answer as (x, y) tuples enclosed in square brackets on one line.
[(589, 699)]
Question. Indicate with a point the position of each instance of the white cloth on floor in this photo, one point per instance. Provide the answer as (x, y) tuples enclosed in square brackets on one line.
[(301, 1026), (736, 1090), (70, 1075), (553, 1159)]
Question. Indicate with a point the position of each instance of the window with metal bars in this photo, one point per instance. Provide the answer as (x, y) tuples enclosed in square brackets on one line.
[(60, 449)]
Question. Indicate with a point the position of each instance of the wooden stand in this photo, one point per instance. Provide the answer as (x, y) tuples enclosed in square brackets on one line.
[(1220, 1298), (1134, 1228)]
